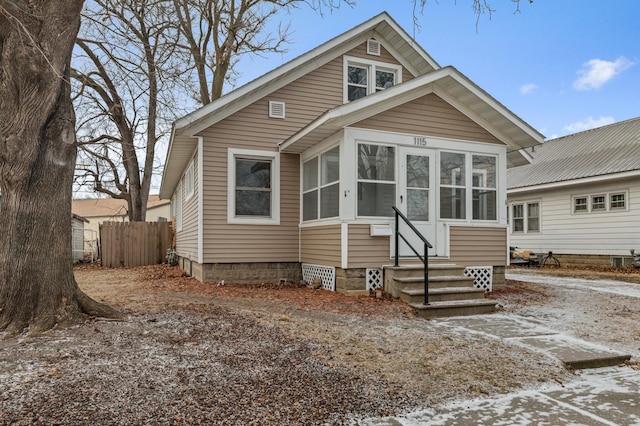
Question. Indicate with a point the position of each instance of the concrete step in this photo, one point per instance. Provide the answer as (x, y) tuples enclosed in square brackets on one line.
[(434, 282), (443, 294), (454, 308), (435, 270)]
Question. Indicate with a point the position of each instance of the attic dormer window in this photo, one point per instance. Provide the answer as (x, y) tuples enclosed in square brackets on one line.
[(364, 77)]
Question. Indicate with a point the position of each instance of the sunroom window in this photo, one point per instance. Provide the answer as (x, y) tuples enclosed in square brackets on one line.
[(321, 185), (452, 186), (376, 180), (484, 187)]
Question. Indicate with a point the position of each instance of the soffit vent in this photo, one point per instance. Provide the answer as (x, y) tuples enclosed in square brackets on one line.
[(276, 109), (373, 47)]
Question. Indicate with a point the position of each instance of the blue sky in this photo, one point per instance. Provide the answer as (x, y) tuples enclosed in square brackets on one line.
[(562, 66)]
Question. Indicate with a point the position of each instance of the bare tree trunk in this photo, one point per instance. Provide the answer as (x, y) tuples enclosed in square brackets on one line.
[(37, 160)]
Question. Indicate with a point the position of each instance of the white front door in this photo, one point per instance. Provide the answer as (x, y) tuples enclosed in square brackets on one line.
[(417, 198)]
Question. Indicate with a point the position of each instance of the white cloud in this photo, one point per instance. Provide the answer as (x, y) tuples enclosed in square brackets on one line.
[(589, 123), (528, 88), (597, 72)]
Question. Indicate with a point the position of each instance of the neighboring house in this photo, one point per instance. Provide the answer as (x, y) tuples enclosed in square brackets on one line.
[(298, 170), (580, 196), (77, 236), (98, 210)]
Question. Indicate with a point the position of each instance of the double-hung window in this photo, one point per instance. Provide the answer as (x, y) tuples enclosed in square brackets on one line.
[(376, 180), (253, 187), (321, 185), (617, 201), (525, 217), (364, 77)]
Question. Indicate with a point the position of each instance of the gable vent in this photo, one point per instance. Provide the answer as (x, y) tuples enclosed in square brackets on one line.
[(373, 47), (276, 109)]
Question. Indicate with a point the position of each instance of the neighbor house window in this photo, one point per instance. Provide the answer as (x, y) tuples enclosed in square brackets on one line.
[(618, 201), (598, 203), (376, 180), (580, 205), (320, 186), (452, 186), (525, 217), (533, 217), (253, 187), (518, 218), (363, 77), (484, 187)]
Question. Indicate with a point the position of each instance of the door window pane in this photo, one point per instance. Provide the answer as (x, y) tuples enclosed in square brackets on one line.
[(418, 204)]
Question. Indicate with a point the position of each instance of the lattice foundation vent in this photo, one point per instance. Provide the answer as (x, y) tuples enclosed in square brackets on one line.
[(482, 274), (374, 279), (326, 273)]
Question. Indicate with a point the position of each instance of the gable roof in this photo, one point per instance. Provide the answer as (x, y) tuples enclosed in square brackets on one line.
[(603, 152), (448, 83), (109, 207), (382, 27)]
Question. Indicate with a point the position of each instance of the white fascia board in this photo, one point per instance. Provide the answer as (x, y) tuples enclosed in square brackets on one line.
[(573, 182), (166, 193), (493, 103)]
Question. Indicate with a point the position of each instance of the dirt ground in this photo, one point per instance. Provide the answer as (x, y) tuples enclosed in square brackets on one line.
[(194, 353)]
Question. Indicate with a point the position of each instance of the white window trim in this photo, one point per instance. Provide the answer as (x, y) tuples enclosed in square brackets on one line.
[(372, 66), (525, 217), (274, 157), (626, 201), (607, 202), (189, 180), (178, 206)]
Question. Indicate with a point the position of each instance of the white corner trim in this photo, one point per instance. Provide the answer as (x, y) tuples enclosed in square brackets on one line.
[(344, 249), (274, 157), (200, 173)]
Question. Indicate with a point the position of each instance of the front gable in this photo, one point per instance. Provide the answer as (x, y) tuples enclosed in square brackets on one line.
[(429, 115)]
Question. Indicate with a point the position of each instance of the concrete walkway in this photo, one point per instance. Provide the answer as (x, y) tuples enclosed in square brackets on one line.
[(605, 396)]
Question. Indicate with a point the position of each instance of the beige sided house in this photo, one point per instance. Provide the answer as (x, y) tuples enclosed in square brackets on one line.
[(296, 173), (579, 197)]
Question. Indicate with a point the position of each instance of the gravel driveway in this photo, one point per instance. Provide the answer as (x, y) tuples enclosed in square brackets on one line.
[(193, 353)]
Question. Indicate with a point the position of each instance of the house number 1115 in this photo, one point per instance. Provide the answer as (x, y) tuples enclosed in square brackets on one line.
[(420, 141)]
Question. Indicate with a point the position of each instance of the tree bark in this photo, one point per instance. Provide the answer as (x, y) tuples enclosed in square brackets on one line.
[(37, 161)]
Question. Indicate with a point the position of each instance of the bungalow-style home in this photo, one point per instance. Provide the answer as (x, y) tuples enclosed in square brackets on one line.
[(578, 198), (297, 172)]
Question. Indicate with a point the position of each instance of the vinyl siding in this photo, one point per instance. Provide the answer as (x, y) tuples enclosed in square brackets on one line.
[(429, 115), (251, 128), (321, 245), (595, 233), (366, 251), (478, 246), (187, 238)]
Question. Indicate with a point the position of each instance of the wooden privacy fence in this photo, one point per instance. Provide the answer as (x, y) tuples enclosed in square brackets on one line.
[(134, 243)]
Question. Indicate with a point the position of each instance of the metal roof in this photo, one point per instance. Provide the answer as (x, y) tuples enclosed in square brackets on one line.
[(593, 153)]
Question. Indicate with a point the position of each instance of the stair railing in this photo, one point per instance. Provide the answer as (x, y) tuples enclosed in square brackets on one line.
[(424, 257)]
